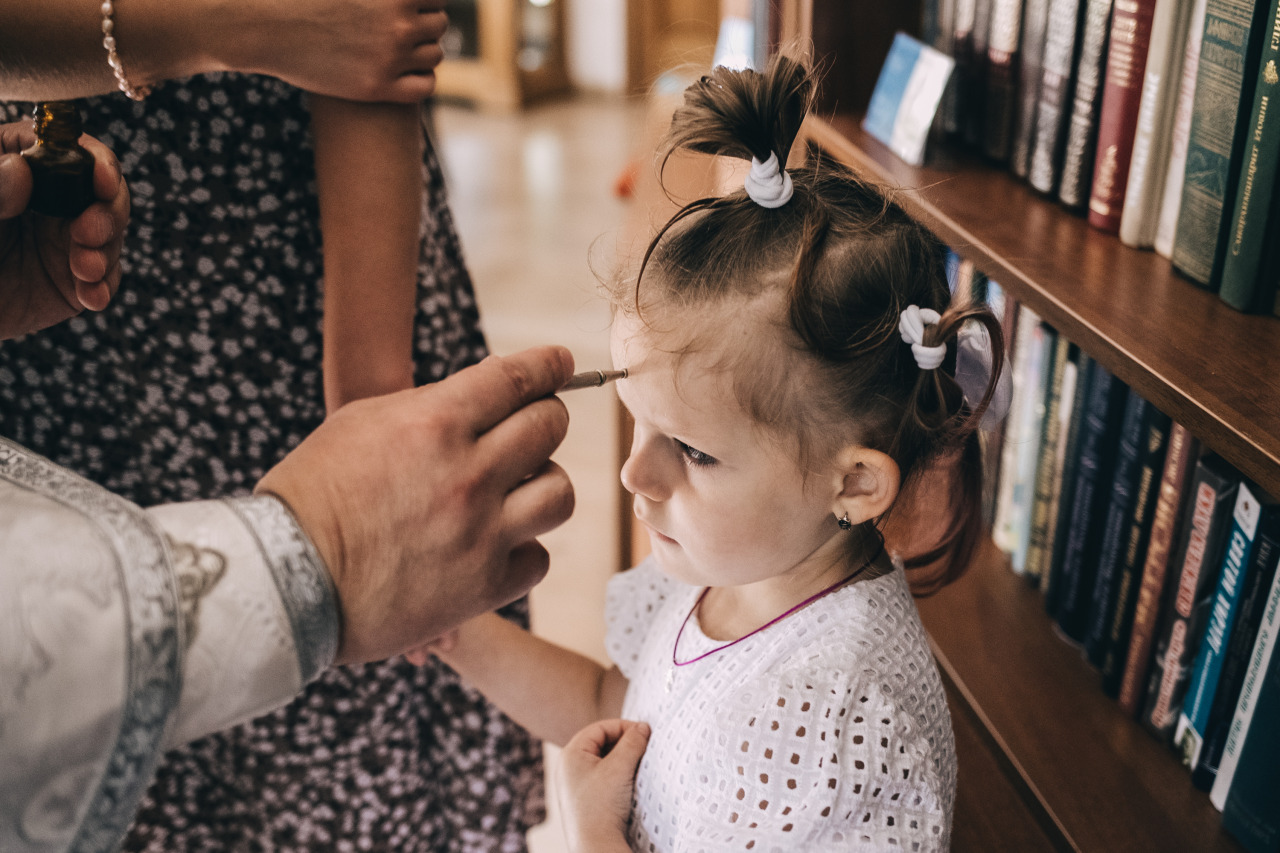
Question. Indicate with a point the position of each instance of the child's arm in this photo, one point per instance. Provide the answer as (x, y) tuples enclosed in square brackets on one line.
[(369, 178), (551, 691)]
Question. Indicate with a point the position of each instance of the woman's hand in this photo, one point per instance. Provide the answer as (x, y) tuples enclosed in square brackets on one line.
[(597, 776), (52, 269)]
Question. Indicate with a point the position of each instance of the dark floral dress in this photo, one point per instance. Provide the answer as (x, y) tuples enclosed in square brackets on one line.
[(205, 371)]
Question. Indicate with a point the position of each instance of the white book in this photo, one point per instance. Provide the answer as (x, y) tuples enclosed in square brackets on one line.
[(1181, 134), (1145, 189), (1263, 648), (1013, 506)]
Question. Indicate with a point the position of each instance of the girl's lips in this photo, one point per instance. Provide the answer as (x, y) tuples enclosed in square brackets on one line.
[(653, 531)]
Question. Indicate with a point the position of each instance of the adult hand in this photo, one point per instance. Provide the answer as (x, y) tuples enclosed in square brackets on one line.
[(597, 775), (52, 269), (364, 50), (425, 504)]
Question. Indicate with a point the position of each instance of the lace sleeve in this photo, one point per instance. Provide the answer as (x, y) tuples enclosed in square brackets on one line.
[(631, 602)]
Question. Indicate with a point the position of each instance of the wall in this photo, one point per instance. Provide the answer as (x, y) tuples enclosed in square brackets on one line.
[(597, 44)]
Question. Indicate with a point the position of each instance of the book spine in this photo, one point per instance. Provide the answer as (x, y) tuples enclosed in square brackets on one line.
[(1070, 378), (1035, 19), (1189, 598), (1250, 812), (1012, 503), (1118, 506), (1178, 465), (1084, 533), (1235, 663), (1264, 645), (1207, 670), (1046, 464), (1248, 227), (1155, 445), (1082, 129), (1212, 147), (1002, 77), (1054, 105), (1151, 140), (1127, 47), (1171, 199), (955, 100), (1052, 586), (973, 121)]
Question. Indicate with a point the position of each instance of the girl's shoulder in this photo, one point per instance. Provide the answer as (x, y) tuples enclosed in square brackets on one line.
[(633, 599)]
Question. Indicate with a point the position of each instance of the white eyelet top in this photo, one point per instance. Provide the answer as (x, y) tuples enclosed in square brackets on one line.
[(827, 731)]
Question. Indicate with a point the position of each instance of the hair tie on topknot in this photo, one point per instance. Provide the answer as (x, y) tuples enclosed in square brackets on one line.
[(767, 184), (911, 324)]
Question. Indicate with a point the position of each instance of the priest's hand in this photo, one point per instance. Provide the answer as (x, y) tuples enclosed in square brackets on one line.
[(425, 504), (52, 269)]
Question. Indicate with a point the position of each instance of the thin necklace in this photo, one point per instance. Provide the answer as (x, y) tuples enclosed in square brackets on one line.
[(810, 600)]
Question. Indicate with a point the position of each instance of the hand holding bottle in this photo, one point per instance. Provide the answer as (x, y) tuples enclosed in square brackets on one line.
[(52, 269)]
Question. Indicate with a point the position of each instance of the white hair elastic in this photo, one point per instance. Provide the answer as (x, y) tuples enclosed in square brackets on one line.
[(767, 184), (911, 323)]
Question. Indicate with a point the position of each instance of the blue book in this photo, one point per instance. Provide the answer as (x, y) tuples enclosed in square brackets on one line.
[(1250, 812), (906, 97), (1194, 719)]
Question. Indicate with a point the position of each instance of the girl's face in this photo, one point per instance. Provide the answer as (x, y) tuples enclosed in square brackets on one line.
[(723, 501)]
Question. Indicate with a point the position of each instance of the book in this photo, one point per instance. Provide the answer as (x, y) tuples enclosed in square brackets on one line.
[(1229, 45), (1251, 223), (1021, 440), (974, 119), (1156, 428), (1051, 583), (1002, 77), (1035, 20), (1005, 308), (1082, 128), (1127, 47), (1179, 465), (1175, 173), (1103, 412), (906, 96), (1264, 645), (1152, 137), (1189, 594), (1259, 575), (1053, 108), (1039, 544), (1250, 812), (1206, 673), (1066, 413), (1117, 507)]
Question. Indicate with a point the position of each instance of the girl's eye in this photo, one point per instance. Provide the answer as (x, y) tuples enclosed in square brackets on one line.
[(693, 455)]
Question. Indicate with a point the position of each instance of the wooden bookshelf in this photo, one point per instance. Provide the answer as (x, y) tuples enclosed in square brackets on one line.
[(1025, 702)]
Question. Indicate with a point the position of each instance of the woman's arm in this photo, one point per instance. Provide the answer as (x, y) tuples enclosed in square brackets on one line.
[(551, 691), (363, 49), (369, 176)]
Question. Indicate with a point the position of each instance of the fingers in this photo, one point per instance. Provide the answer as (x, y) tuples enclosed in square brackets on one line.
[(488, 393), (16, 135), (623, 740), (97, 235), (527, 566), (519, 447), (15, 185), (537, 505)]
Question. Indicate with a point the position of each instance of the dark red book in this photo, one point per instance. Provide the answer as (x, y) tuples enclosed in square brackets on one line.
[(1118, 121)]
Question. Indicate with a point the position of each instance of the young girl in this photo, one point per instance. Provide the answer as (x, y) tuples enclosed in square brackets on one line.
[(790, 355)]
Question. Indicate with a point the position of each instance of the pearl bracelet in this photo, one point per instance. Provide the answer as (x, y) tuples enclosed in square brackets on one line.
[(113, 58)]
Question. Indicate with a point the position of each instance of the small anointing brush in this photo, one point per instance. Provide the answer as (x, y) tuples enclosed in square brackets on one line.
[(592, 379)]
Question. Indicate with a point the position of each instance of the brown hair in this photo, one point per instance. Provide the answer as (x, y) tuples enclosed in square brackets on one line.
[(843, 260)]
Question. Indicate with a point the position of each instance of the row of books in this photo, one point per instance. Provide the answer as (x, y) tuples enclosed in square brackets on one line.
[(1151, 116), (1154, 556)]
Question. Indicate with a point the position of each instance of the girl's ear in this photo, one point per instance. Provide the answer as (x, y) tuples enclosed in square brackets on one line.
[(867, 484)]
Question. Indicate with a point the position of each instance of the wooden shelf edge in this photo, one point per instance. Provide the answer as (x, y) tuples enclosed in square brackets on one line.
[(1103, 782), (1176, 344)]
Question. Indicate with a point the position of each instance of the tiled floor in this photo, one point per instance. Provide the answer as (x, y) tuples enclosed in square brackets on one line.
[(532, 193)]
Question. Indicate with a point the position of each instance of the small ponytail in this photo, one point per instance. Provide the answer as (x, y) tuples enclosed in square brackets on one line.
[(743, 114)]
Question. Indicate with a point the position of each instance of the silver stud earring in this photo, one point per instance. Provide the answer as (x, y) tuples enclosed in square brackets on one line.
[(844, 522)]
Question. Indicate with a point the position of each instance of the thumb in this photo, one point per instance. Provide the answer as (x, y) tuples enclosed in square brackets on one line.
[(631, 746), (15, 185)]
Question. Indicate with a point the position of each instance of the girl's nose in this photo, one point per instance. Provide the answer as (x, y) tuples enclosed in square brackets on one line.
[(642, 472)]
